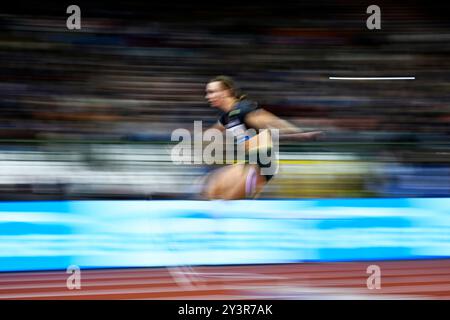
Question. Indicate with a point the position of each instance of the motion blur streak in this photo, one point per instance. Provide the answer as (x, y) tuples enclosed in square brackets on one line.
[(86, 118)]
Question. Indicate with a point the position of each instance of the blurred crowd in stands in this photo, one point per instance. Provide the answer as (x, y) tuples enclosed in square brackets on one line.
[(89, 113)]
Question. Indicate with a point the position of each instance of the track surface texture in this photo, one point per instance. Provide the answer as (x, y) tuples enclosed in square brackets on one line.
[(412, 279)]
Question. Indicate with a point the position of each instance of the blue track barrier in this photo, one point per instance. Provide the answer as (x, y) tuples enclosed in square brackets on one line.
[(94, 234)]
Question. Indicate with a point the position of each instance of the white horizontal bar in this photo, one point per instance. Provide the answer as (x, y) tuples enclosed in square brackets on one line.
[(372, 78)]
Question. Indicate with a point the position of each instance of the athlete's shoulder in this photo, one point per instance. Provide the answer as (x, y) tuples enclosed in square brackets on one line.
[(243, 107)]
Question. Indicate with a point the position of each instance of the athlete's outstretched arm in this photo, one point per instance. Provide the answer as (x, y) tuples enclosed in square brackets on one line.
[(262, 119)]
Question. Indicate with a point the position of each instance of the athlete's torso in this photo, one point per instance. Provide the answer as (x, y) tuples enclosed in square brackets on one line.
[(234, 120)]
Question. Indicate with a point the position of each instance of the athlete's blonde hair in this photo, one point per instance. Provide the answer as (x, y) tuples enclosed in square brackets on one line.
[(229, 84)]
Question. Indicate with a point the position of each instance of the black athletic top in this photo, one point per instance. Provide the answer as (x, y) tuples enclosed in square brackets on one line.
[(234, 120)]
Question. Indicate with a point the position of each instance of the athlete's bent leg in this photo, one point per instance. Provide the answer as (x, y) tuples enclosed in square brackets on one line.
[(234, 182)]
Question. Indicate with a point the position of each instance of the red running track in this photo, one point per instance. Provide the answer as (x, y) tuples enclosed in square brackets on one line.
[(414, 279)]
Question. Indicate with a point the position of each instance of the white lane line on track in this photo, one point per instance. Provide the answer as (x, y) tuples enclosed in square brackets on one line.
[(331, 280), (273, 275)]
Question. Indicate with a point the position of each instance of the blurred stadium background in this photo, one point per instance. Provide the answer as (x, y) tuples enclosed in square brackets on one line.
[(87, 115)]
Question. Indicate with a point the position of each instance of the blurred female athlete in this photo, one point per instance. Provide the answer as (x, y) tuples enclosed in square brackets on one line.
[(244, 180)]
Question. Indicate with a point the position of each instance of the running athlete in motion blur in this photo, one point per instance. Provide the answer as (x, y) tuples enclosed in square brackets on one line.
[(244, 180)]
